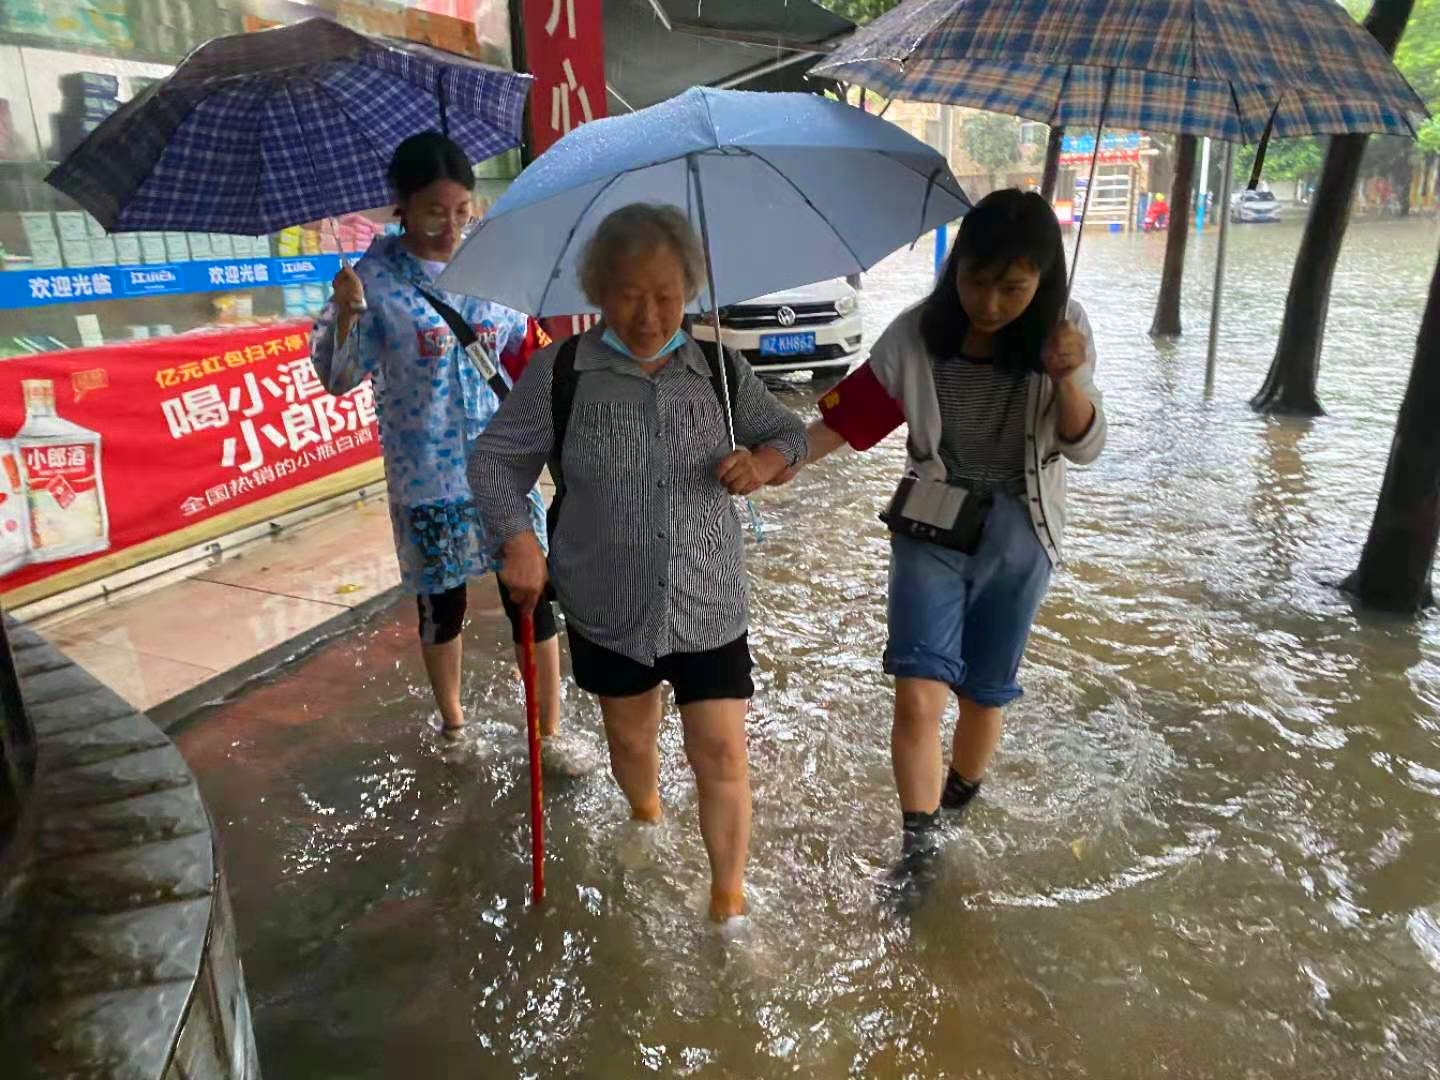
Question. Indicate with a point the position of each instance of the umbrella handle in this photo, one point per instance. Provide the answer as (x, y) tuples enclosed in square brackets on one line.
[(358, 306), (532, 722)]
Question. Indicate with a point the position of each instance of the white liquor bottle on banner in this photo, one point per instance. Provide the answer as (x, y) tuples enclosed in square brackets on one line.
[(66, 492), (14, 511)]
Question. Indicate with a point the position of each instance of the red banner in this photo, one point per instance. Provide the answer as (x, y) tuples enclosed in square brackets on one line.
[(565, 51), (1107, 157), (103, 449)]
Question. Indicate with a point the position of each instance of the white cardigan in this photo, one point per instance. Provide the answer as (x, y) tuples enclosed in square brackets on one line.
[(902, 364)]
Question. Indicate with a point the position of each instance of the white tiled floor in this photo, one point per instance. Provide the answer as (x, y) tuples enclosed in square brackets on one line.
[(153, 647)]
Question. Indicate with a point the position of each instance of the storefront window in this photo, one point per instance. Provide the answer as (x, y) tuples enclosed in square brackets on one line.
[(65, 66)]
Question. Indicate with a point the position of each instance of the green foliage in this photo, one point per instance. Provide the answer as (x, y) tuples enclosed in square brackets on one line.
[(859, 11), (991, 141), (1430, 136), (1418, 57), (1285, 159)]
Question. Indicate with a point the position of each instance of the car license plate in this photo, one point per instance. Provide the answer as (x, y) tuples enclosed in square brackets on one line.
[(787, 344)]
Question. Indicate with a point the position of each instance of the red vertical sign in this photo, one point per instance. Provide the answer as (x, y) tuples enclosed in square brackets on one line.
[(565, 51)]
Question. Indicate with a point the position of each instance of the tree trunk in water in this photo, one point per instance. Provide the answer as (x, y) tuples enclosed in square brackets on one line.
[(1290, 387), (1167, 309), (1399, 557), (1052, 164), (1404, 182)]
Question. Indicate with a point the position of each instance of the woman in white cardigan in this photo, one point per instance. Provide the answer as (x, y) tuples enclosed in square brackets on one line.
[(997, 390)]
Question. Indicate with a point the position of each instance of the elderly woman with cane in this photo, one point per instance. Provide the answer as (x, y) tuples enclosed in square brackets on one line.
[(646, 555)]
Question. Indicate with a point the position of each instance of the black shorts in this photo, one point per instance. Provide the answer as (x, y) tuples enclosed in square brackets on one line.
[(721, 674), (442, 616)]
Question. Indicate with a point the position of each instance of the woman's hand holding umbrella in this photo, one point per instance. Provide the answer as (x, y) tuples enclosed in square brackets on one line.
[(745, 472), (1064, 355), (1065, 352), (349, 295)]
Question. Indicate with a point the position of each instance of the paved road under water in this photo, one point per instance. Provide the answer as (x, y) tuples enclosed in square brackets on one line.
[(1208, 848)]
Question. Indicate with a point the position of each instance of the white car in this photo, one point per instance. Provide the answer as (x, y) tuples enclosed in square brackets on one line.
[(814, 328), (1254, 207)]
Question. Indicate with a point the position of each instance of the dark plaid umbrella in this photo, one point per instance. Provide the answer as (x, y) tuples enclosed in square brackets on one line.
[(1227, 69), (1235, 70), (256, 132)]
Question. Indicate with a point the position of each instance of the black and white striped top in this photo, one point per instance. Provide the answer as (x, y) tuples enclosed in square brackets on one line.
[(982, 413), (648, 556)]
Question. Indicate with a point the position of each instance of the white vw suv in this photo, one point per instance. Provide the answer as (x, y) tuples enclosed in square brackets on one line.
[(815, 328)]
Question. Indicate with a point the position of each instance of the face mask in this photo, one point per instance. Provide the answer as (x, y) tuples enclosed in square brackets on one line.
[(613, 340)]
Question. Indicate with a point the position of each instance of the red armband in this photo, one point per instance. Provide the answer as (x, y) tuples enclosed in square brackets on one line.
[(860, 409), (517, 359)]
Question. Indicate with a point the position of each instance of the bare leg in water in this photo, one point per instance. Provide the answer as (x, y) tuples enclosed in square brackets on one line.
[(977, 734), (915, 743), (444, 664), (715, 746)]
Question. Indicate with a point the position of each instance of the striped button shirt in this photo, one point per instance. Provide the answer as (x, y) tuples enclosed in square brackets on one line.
[(982, 416), (648, 556)]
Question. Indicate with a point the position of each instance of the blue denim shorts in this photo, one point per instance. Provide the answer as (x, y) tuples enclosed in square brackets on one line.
[(963, 620)]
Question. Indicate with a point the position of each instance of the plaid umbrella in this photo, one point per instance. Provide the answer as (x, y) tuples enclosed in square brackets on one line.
[(256, 132), (1227, 69)]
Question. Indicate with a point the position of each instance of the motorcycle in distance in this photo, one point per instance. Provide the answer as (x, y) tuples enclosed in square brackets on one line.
[(1157, 217)]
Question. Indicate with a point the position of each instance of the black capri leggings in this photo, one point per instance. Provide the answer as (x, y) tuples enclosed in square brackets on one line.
[(442, 615)]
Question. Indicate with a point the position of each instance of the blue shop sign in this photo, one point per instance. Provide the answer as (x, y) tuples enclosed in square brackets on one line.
[(38, 288)]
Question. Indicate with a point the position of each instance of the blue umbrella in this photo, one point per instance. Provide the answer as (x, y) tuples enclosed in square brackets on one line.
[(256, 132), (784, 189)]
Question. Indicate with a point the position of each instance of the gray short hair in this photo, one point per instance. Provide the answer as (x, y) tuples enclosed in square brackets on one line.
[(639, 229)]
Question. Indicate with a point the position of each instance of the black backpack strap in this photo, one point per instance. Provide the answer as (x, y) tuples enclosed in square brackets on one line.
[(484, 360), (731, 376), (562, 399)]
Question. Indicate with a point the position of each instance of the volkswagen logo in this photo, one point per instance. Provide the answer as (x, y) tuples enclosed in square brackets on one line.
[(785, 316)]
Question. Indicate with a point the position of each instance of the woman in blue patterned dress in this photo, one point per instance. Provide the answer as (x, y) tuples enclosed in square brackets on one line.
[(433, 402)]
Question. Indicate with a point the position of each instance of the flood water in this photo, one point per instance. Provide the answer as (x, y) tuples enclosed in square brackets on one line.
[(1209, 847)]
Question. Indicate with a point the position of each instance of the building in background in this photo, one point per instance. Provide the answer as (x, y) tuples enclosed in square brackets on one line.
[(182, 358), (184, 354), (989, 151)]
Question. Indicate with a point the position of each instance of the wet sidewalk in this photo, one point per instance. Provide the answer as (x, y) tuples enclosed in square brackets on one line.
[(170, 648), (193, 637)]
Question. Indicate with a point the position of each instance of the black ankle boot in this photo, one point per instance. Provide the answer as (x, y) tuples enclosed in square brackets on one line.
[(958, 793), (909, 880)]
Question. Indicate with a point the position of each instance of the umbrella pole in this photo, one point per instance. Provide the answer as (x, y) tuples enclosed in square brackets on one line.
[(359, 305), (1090, 183), (756, 527), (1226, 182), (714, 299), (532, 724)]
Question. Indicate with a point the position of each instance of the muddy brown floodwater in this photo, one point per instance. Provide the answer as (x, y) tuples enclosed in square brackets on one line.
[(1210, 846)]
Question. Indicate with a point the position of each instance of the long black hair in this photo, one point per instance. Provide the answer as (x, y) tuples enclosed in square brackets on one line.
[(428, 158), (1004, 228)]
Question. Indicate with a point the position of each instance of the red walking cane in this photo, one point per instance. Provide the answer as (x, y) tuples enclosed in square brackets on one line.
[(532, 720)]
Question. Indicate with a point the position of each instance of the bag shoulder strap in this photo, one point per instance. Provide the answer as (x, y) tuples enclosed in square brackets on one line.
[(562, 400), (464, 333), (732, 381)]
